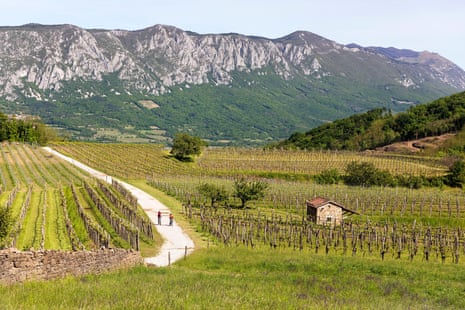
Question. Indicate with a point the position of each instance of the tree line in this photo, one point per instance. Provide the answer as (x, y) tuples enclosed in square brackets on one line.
[(28, 130), (366, 174), (245, 190)]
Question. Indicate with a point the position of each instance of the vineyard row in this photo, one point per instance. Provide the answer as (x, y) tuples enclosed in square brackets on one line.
[(367, 239)]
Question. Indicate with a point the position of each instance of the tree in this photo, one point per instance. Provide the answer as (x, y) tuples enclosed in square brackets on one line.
[(215, 193), (249, 190), (456, 175), (367, 174), (185, 145)]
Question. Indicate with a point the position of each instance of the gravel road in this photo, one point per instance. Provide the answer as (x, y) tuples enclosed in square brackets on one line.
[(176, 243)]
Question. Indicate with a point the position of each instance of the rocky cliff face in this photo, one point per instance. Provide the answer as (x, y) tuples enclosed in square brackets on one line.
[(35, 60)]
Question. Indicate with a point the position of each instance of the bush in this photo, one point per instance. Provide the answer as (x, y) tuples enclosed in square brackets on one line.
[(411, 181), (456, 175), (366, 174), (329, 176)]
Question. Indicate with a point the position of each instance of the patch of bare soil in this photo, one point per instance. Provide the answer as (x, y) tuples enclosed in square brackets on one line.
[(415, 146)]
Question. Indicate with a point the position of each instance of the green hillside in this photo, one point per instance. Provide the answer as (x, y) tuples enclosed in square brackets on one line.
[(229, 89), (254, 110), (379, 127)]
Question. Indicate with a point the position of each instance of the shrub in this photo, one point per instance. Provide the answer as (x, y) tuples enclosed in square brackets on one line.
[(330, 176), (366, 174), (456, 175)]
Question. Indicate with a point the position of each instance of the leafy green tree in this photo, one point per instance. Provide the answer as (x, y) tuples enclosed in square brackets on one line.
[(456, 175), (249, 190), (215, 193), (185, 145)]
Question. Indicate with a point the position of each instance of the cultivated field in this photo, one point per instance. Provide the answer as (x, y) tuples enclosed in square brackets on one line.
[(57, 206), (406, 223), (405, 250)]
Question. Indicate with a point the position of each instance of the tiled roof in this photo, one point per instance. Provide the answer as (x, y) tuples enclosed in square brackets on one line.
[(320, 201), (317, 202)]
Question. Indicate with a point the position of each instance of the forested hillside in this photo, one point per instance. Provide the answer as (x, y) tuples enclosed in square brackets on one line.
[(380, 127)]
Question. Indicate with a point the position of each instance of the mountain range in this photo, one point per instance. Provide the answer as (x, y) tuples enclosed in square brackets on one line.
[(146, 85)]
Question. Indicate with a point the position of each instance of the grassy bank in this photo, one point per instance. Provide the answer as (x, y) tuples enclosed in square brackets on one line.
[(239, 278)]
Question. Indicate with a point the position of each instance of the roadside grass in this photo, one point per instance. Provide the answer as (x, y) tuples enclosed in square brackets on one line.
[(240, 278)]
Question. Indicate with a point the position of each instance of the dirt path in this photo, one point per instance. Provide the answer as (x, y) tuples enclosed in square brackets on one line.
[(176, 243)]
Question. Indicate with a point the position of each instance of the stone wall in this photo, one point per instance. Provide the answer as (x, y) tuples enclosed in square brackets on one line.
[(19, 266)]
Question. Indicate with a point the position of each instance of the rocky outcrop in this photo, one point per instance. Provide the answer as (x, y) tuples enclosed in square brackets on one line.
[(35, 60)]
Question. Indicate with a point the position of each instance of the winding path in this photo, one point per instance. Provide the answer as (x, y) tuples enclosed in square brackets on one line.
[(176, 242)]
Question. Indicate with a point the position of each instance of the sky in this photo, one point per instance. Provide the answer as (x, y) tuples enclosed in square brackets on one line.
[(433, 25)]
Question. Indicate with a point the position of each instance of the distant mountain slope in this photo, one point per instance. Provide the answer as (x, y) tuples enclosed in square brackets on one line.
[(378, 127), (227, 88)]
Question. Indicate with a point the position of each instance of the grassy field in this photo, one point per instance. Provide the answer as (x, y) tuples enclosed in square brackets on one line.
[(235, 276)]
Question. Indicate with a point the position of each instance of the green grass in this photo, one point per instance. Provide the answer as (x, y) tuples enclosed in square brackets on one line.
[(27, 236), (75, 218), (56, 236), (237, 278)]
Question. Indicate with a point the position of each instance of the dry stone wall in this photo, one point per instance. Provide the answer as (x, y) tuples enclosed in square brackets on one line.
[(19, 266)]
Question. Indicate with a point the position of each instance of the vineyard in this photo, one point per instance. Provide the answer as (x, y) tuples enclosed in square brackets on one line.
[(54, 205), (241, 160), (137, 161), (418, 224), (419, 242)]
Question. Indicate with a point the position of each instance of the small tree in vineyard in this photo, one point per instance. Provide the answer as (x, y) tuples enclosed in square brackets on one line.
[(185, 145), (249, 190), (215, 193)]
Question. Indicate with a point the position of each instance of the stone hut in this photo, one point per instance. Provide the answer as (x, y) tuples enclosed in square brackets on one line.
[(323, 211)]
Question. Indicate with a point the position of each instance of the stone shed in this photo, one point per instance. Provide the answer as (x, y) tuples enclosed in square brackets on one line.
[(323, 211)]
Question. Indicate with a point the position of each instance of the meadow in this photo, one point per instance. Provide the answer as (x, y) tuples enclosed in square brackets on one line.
[(404, 250), (238, 278)]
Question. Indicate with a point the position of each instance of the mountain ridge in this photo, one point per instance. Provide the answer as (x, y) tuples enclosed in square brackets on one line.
[(50, 68)]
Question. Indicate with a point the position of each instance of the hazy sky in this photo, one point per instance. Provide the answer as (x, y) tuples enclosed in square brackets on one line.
[(433, 25)]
